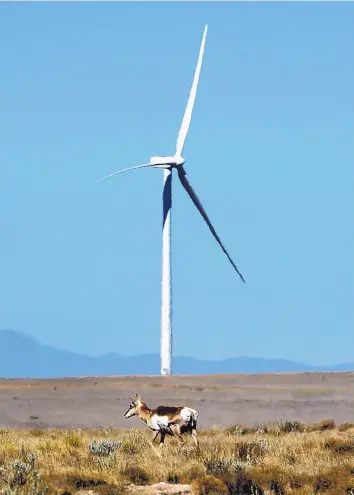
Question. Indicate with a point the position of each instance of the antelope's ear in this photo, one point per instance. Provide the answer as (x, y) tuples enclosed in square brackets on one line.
[(137, 398)]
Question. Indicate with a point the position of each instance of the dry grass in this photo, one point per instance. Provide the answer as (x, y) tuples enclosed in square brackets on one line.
[(291, 458)]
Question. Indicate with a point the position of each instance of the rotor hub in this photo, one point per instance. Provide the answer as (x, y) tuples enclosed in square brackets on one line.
[(179, 161)]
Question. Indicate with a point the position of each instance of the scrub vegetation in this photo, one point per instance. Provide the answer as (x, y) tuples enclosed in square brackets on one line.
[(289, 458)]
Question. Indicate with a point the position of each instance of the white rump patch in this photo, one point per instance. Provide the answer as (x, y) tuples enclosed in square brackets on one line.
[(189, 415)]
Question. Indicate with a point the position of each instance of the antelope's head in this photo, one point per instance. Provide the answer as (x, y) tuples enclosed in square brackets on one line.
[(133, 409)]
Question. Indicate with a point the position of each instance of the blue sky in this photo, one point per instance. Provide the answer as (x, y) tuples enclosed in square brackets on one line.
[(88, 88)]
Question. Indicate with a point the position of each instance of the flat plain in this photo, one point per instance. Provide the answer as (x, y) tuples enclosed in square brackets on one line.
[(270, 434), (221, 400)]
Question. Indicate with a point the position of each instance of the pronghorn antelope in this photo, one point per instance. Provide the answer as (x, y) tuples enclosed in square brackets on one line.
[(165, 420)]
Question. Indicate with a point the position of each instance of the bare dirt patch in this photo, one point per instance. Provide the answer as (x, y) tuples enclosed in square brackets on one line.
[(91, 402), (161, 489)]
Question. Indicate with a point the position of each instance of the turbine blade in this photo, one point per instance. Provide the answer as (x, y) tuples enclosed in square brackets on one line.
[(193, 93), (124, 170), (185, 183)]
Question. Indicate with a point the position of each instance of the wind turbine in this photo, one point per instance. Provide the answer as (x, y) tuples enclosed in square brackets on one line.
[(168, 163)]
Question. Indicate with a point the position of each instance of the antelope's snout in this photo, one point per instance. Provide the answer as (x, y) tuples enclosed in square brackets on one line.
[(128, 414)]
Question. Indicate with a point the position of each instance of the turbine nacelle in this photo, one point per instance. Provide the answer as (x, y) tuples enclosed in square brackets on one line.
[(166, 161)]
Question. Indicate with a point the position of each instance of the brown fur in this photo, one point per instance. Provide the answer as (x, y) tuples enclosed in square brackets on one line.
[(170, 411)]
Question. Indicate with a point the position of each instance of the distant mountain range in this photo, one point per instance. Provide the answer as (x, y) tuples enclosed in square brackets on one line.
[(24, 357)]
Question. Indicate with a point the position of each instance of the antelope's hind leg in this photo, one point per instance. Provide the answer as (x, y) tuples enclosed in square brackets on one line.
[(195, 438), (176, 432)]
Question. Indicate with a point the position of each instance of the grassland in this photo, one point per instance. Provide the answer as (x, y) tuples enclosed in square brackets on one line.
[(56, 420), (289, 458)]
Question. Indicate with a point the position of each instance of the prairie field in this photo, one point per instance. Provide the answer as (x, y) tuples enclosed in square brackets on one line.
[(289, 458), (259, 435)]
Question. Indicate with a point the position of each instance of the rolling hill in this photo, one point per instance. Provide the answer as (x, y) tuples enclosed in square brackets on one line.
[(24, 357)]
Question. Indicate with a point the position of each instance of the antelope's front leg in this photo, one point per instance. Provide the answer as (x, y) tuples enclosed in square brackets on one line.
[(156, 434)]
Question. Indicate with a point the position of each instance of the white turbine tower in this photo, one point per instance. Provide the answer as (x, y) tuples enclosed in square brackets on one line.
[(168, 163)]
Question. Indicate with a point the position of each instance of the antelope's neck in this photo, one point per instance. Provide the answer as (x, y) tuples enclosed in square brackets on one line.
[(144, 413)]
